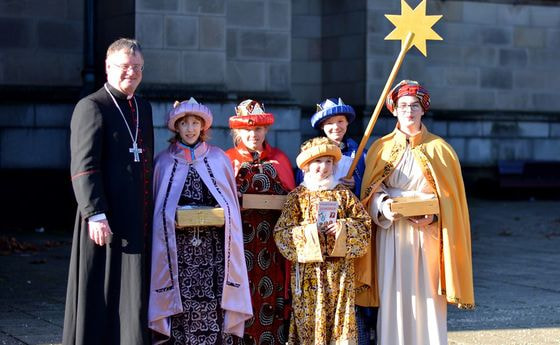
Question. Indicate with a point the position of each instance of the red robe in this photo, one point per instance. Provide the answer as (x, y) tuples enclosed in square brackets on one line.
[(267, 173)]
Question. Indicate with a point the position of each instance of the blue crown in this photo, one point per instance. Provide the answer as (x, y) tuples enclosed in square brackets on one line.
[(329, 108)]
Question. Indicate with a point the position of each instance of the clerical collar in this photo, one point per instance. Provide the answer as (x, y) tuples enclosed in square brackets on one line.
[(117, 93)]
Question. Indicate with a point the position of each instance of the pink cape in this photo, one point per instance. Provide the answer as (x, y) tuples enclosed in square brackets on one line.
[(170, 172)]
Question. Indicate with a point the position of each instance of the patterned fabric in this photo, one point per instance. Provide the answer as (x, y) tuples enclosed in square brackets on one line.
[(265, 266), (195, 191), (200, 255), (408, 88), (327, 286)]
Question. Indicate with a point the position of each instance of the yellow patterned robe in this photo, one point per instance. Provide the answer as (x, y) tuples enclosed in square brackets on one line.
[(322, 292)]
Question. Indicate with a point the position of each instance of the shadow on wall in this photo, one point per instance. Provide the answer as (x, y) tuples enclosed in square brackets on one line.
[(515, 180), (35, 199)]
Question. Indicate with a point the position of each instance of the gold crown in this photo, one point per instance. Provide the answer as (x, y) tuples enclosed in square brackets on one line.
[(249, 107)]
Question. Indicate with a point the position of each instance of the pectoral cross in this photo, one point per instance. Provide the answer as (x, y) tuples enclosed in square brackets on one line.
[(136, 151)]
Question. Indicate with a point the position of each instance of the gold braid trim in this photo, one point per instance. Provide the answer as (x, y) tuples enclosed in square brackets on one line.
[(360, 289), (423, 157), (464, 306), (387, 169), (426, 166)]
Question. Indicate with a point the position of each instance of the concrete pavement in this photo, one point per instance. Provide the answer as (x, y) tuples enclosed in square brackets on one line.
[(516, 253)]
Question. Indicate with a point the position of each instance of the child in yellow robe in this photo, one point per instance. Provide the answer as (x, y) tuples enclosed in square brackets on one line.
[(322, 275)]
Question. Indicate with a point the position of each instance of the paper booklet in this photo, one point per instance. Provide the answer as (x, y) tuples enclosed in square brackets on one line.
[(326, 214)]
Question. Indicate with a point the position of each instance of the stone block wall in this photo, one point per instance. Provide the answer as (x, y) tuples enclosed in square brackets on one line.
[(343, 50), (35, 136), (184, 42), (493, 78), (229, 46), (487, 139), (307, 54), (52, 31), (494, 56)]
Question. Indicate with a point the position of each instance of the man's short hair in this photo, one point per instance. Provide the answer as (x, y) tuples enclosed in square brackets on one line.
[(129, 45)]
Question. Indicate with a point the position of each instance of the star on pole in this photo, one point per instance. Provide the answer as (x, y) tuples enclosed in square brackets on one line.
[(414, 21)]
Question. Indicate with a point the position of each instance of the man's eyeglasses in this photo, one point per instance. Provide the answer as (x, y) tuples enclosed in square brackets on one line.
[(135, 68), (413, 107)]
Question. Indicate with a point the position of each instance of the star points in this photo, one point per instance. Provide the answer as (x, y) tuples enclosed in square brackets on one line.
[(415, 21)]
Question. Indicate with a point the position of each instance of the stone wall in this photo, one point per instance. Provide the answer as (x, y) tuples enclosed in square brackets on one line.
[(493, 57), (35, 136), (41, 42), (483, 140), (492, 79), (230, 46), (343, 50), (307, 51)]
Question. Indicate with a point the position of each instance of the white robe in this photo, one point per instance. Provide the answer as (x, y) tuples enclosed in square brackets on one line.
[(411, 312)]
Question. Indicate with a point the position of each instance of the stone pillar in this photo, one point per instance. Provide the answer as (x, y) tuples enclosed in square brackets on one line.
[(344, 29), (113, 20)]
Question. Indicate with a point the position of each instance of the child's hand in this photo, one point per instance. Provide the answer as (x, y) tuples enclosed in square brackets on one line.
[(348, 182), (331, 229)]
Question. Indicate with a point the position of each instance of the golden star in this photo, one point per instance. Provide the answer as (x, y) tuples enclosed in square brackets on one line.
[(415, 21)]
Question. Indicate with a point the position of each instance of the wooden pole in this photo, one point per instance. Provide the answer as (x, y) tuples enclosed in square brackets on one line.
[(404, 49)]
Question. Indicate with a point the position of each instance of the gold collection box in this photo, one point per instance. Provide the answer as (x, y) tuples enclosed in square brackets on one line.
[(411, 206), (200, 216), (263, 201)]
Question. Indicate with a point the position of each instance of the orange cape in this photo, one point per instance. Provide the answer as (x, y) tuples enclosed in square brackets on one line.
[(441, 168)]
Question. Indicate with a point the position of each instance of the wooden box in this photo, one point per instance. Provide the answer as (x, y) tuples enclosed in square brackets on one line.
[(263, 201), (411, 206), (200, 216)]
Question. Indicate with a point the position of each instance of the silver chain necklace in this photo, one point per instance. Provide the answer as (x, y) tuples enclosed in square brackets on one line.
[(134, 149)]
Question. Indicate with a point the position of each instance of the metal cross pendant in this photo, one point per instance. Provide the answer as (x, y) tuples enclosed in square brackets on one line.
[(136, 151)]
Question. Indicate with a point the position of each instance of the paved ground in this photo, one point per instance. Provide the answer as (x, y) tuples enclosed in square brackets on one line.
[(516, 251)]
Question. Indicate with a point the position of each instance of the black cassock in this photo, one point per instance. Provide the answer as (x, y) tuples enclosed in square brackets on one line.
[(107, 296)]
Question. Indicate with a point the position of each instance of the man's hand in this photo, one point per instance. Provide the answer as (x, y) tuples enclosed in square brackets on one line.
[(99, 231)]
